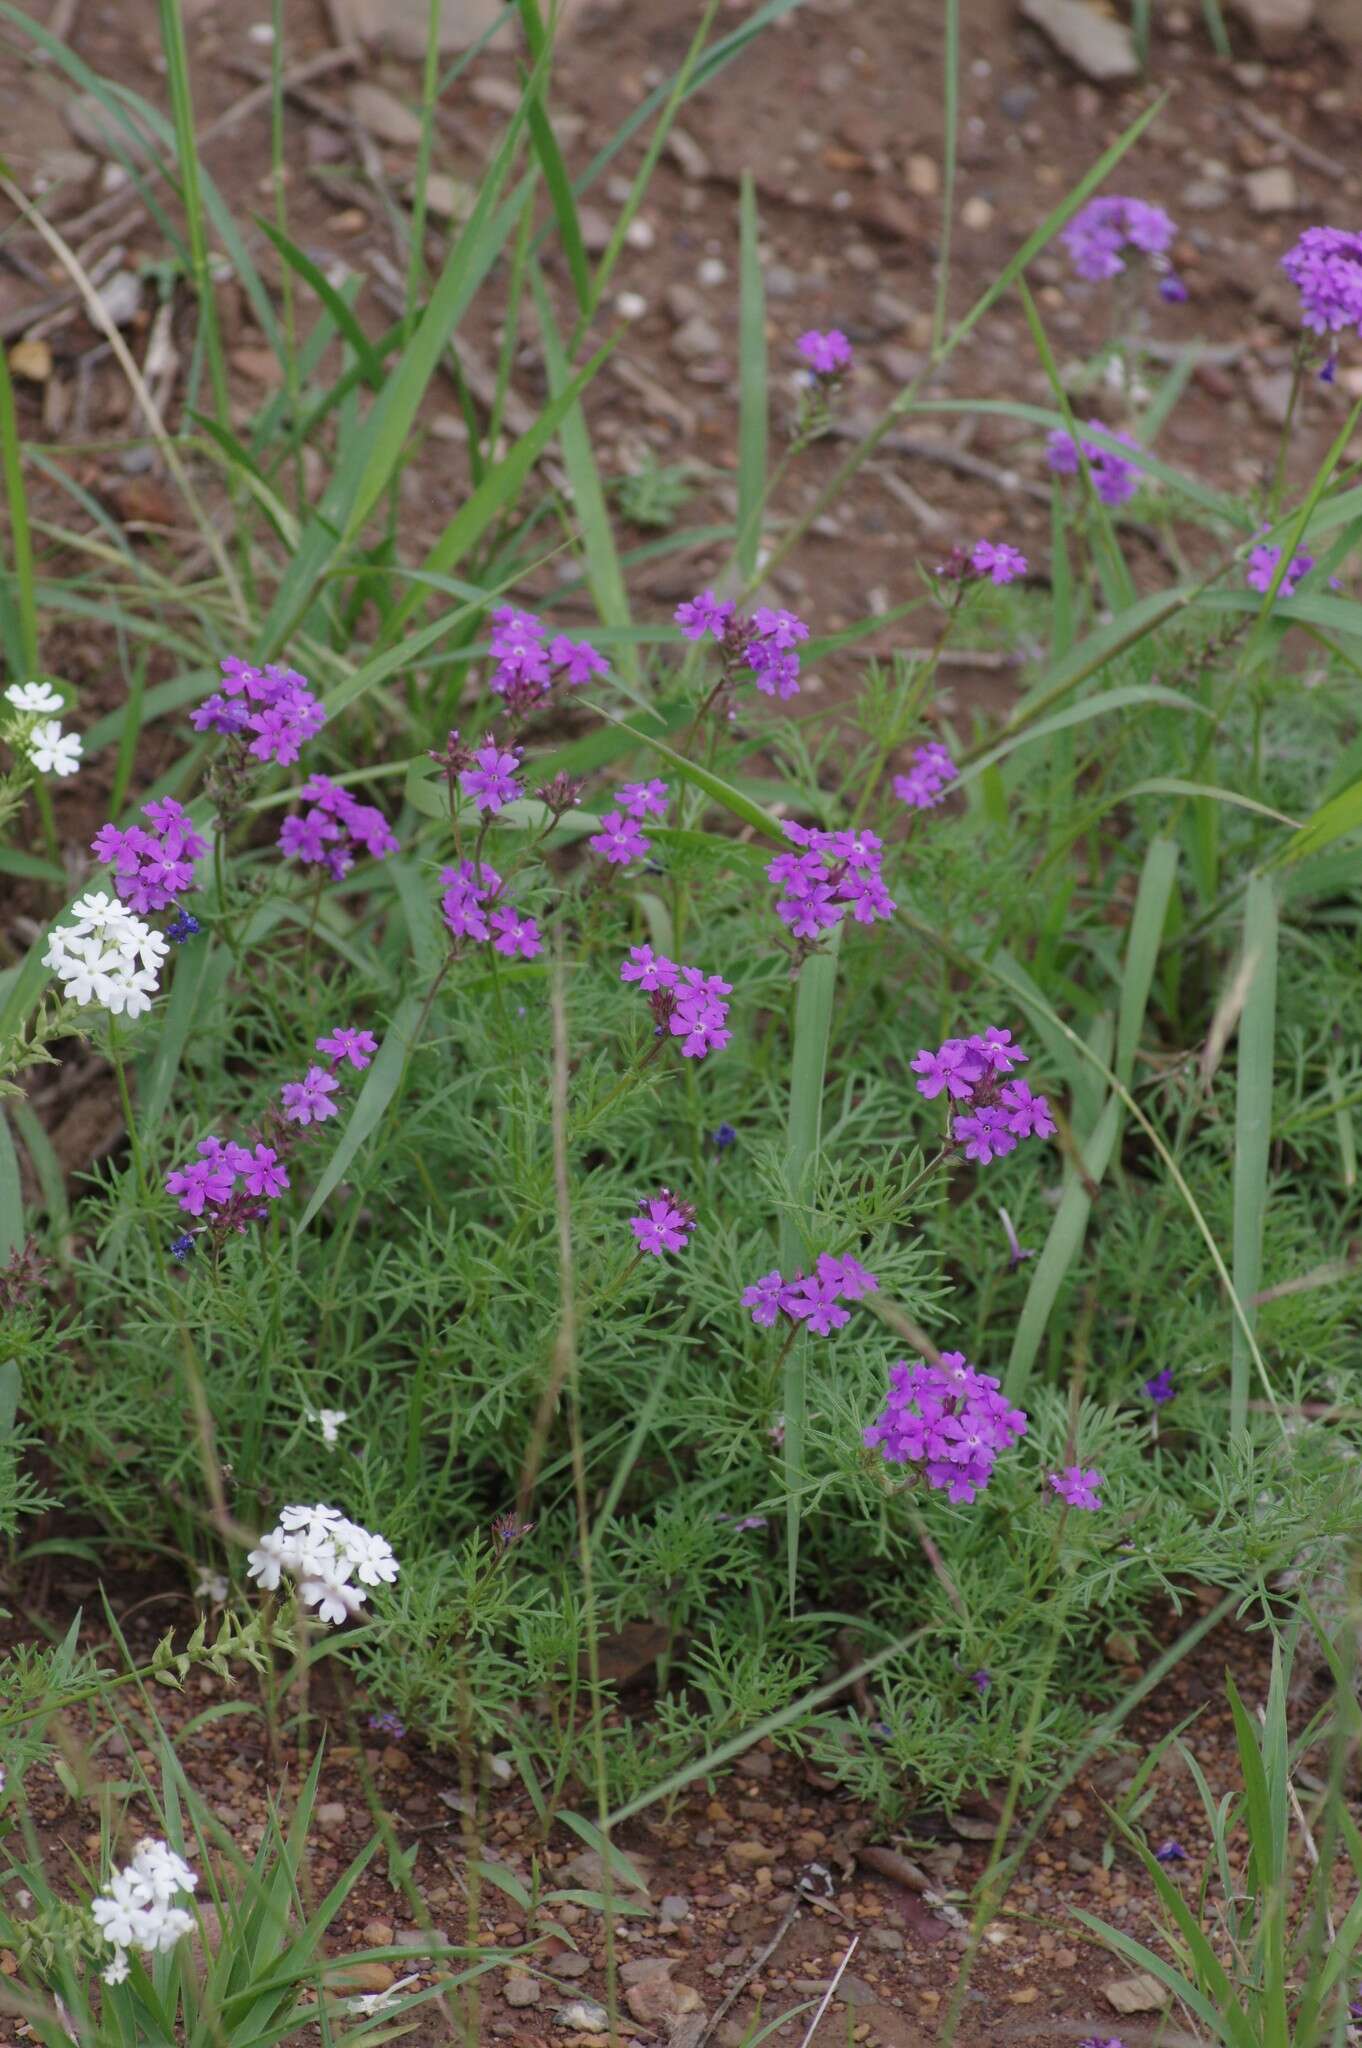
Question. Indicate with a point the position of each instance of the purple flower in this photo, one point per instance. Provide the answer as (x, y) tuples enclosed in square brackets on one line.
[(204, 1182), (781, 628), (182, 928), (512, 629), (1160, 1388), (643, 799), (764, 1299), (515, 934), (1101, 232), (951, 1067), (827, 355), (386, 1722), (833, 873), (1172, 288), (1078, 1488), (1170, 1852), (663, 1224), (1326, 268), (181, 1247), (685, 1003), (724, 1137), (1113, 478), (152, 867), (948, 1419), (469, 889), (305, 836), (578, 660), (492, 782), (309, 1101), (704, 614), (1262, 567), (650, 970), (619, 839), (346, 1043), (996, 560), (931, 770), (981, 1681), (985, 1134), (1028, 1115), (846, 1276), (813, 1299), (262, 1173)]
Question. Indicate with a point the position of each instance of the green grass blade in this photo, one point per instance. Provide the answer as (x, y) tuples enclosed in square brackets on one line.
[(368, 357), (1253, 1124), (561, 196), (45, 1164), (1157, 876), (380, 1085), (1063, 1244), (11, 1201), (723, 793), (22, 657), (1333, 820), (198, 985), (752, 393), (814, 1004)]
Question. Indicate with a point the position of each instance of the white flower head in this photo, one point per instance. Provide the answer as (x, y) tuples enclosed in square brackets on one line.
[(330, 1421), (52, 751), (212, 1586), (107, 957), (323, 1552), (275, 1553), (334, 1598), (33, 697), (135, 1911), (117, 1972)]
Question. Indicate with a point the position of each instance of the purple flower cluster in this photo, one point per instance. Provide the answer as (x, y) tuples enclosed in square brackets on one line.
[(997, 560), (530, 663), (1262, 567), (663, 1224), (813, 1299), (1113, 478), (335, 829), (970, 1070), (621, 837), (765, 643), (208, 1186), (1102, 232), (471, 910), (1161, 1387), (685, 1003), (152, 866), (827, 355), (833, 873), (274, 704), (922, 786), (1326, 268), (1078, 1488), (491, 777), (948, 1419)]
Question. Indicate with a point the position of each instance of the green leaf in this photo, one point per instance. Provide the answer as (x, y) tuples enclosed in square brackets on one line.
[(752, 398), (380, 1085), (1129, 697), (11, 1202), (615, 1859), (1333, 820), (723, 793), (1157, 877), (1253, 1124)]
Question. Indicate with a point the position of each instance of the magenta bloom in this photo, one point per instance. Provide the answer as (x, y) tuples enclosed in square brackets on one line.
[(619, 839), (492, 782), (1102, 233), (948, 1419), (154, 864), (663, 1225), (346, 1043), (273, 703), (985, 1135), (763, 1298), (262, 1173), (685, 1003), (643, 799), (1160, 1388), (204, 1181), (932, 768), (831, 874), (1326, 268), (1113, 478), (577, 660), (996, 560), (1077, 1488), (812, 1299), (1262, 567), (704, 614), (512, 629), (648, 969), (336, 829), (309, 1101), (1028, 1115), (515, 934), (827, 355)]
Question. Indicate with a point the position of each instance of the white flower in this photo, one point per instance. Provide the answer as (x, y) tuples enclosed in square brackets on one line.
[(321, 1550), (33, 697), (52, 751), (162, 1870), (372, 1558), (318, 1521), (332, 1596), (117, 1971), (135, 1911), (274, 1554), (212, 1586), (108, 957), (117, 1915), (379, 2001), (330, 1421)]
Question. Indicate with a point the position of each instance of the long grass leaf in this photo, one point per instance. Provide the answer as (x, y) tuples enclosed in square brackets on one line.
[(1253, 1124), (752, 395), (380, 1085)]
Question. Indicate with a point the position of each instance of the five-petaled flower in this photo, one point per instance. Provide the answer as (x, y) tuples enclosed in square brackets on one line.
[(663, 1224), (1077, 1487)]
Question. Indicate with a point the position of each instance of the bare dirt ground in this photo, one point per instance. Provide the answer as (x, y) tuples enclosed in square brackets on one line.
[(838, 114)]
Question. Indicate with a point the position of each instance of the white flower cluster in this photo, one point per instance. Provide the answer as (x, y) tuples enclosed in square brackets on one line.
[(325, 1554), (52, 751), (136, 1910), (107, 956)]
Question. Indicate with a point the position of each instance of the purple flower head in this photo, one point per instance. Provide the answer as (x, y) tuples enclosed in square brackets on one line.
[(619, 839), (763, 1298), (309, 1101), (811, 1299), (832, 874), (663, 1224), (1160, 1388), (650, 970), (181, 1247), (1078, 1488), (1028, 1115), (386, 1722), (183, 928), (1113, 478), (1101, 233), (998, 561), (1172, 288), (306, 836), (515, 935), (262, 1173), (492, 781), (984, 1134), (1262, 567), (827, 355), (346, 1043), (1170, 1852), (577, 660), (643, 799), (932, 768), (981, 1681), (686, 1003), (780, 628), (724, 1137), (1326, 268), (947, 1419), (522, 678), (274, 704), (512, 629), (152, 867), (704, 614), (203, 1183)]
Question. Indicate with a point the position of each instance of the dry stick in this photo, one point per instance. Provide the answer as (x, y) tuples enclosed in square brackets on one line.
[(1273, 131), (750, 1972), (99, 318), (826, 1999)]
